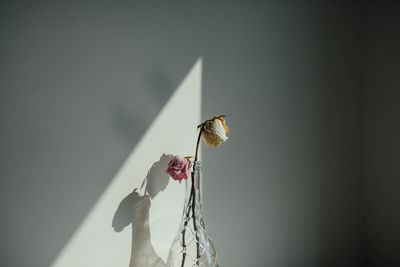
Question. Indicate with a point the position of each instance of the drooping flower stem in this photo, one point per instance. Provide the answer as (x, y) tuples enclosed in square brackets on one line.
[(198, 141), (194, 198)]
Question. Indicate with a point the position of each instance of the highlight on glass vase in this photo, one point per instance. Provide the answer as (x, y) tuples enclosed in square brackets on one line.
[(192, 245)]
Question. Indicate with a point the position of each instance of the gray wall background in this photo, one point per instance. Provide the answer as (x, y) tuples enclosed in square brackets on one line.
[(308, 177), (381, 133)]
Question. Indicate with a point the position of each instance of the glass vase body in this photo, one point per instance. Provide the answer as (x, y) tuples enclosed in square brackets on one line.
[(192, 246)]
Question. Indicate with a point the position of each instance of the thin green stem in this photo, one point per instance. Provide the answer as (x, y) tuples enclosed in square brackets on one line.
[(198, 141)]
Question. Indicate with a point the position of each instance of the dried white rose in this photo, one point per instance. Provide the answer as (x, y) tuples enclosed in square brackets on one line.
[(214, 131)]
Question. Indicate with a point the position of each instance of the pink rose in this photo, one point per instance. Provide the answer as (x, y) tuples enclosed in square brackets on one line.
[(179, 168)]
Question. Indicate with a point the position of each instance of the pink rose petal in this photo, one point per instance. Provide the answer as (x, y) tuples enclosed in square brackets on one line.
[(178, 168)]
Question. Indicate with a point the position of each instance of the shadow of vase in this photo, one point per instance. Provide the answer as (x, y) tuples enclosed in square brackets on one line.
[(134, 209)]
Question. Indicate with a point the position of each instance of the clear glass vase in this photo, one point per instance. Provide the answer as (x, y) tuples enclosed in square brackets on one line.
[(192, 246)]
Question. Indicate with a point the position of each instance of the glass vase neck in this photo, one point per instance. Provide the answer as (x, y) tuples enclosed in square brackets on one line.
[(193, 186), (193, 217), (197, 165)]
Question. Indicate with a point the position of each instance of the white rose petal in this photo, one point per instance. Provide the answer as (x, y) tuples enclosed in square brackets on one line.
[(214, 132)]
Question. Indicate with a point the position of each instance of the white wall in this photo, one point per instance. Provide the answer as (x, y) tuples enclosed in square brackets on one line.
[(82, 82)]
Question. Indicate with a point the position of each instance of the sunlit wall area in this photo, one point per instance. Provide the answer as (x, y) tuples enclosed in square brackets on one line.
[(145, 209)]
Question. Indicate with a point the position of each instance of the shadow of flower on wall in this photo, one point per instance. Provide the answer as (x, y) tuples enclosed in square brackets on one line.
[(134, 208)]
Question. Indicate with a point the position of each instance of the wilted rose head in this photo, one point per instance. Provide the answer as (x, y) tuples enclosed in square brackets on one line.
[(179, 168), (214, 131)]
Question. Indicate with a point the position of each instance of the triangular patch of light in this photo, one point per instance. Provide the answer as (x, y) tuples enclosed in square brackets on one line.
[(95, 243)]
